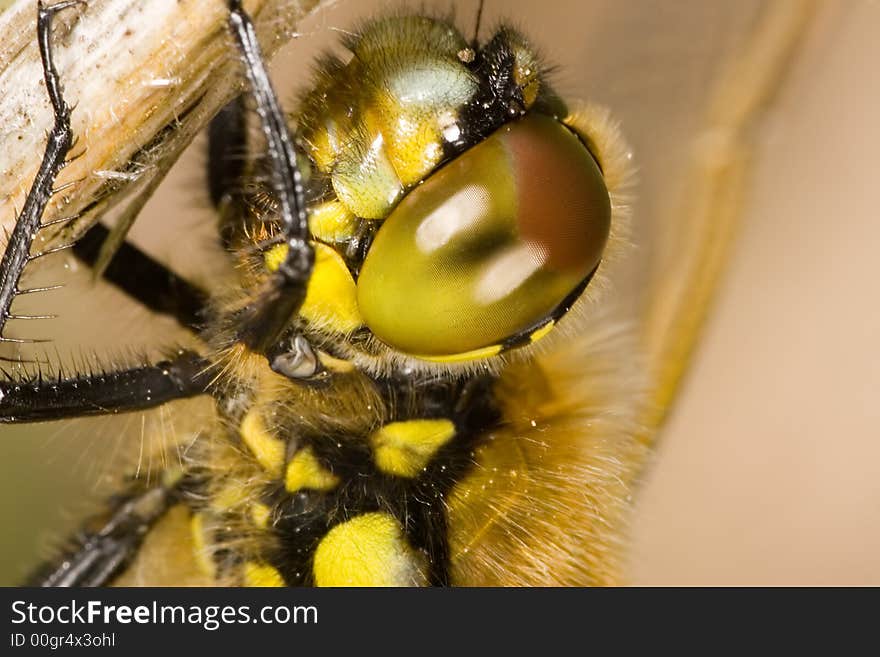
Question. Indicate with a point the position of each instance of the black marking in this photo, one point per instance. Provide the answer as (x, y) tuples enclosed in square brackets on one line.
[(356, 249), (498, 99)]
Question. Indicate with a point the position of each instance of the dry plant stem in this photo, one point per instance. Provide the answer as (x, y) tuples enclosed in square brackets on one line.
[(704, 222), (142, 77)]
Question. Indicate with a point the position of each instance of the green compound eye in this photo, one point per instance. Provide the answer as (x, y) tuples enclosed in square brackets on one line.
[(490, 246)]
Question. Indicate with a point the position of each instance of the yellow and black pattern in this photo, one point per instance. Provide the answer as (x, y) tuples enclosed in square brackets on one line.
[(404, 430), (331, 496)]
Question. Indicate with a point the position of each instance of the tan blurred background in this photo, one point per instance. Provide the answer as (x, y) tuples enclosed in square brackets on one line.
[(767, 470)]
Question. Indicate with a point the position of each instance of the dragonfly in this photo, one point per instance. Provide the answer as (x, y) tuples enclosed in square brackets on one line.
[(706, 139)]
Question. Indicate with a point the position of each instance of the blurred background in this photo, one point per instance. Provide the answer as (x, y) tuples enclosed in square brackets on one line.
[(767, 470)]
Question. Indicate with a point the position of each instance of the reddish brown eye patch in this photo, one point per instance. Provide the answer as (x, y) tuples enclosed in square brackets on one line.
[(563, 204)]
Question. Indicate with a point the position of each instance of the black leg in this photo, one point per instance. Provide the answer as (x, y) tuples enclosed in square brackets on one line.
[(95, 557), (227, 153), (102, 393), (262, 321), (144, 279), (227, 143), (229, 171), (18, 248)]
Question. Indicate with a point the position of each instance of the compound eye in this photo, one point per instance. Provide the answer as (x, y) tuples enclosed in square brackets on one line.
[(490, 247)]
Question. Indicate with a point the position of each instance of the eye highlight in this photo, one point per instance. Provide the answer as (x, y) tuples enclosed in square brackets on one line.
[(490, 247)]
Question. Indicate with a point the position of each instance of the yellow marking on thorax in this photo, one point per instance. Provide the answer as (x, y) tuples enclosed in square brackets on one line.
[(366, 182), (331, 222), (260, 574), (201, 546), (412, 137), (403, 449), (305, 471), (275, 256), (266, 448), (368, 550), (331, 298)]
